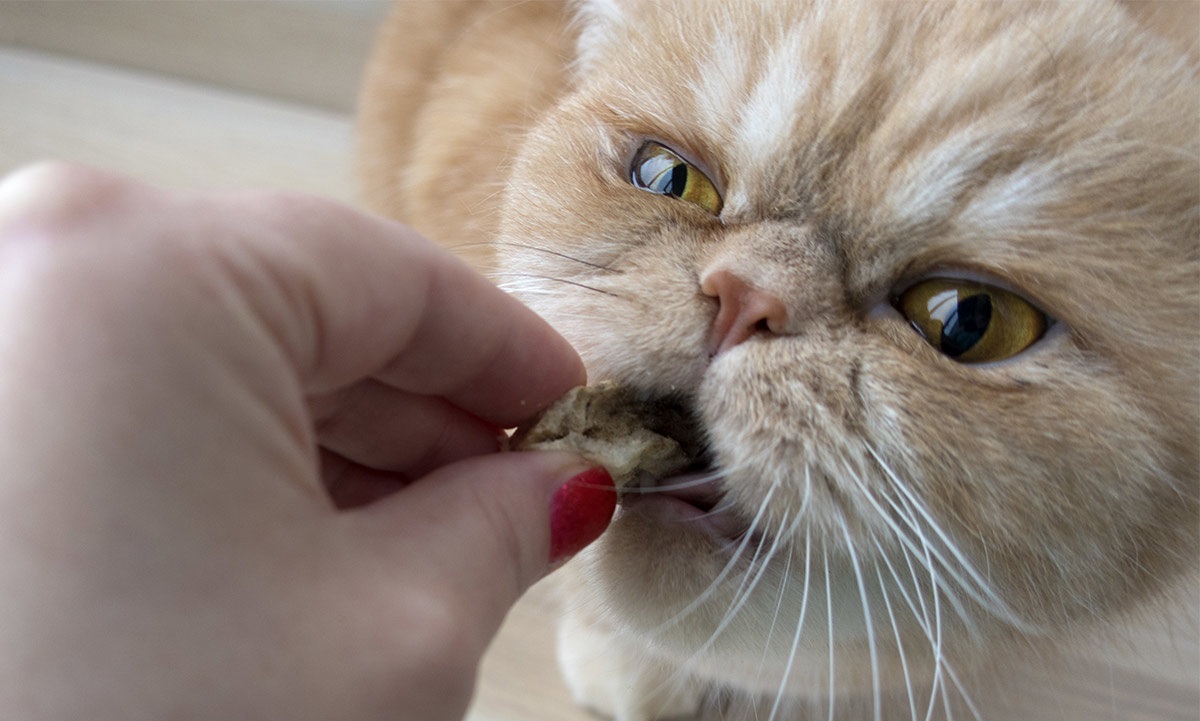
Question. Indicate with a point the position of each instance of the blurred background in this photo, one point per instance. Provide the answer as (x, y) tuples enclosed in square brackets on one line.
[(187, 92), (261, 93)]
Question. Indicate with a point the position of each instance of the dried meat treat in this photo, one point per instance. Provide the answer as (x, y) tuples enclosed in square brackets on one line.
[(632, 436)]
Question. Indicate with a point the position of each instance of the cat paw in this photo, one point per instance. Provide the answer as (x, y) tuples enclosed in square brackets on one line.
[(614, 680)]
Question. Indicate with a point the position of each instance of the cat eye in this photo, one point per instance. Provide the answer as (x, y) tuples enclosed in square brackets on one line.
[(971, 322), (658, 169)]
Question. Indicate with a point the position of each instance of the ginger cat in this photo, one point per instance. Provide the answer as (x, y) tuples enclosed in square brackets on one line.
[(928, 275)]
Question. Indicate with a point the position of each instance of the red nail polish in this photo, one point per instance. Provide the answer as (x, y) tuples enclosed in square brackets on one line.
[(580, 510)]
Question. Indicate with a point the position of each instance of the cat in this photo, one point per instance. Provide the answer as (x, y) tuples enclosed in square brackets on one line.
[(927, 274)]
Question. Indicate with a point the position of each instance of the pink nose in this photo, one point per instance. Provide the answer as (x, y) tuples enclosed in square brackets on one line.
[(745, 311)]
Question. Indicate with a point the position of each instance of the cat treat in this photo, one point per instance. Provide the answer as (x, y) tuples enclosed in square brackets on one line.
[(632, 437)]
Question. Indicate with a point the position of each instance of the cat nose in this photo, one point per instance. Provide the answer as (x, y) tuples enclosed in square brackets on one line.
[(745, 311)]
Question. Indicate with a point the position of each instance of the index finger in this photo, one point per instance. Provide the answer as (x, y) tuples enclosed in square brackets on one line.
[(366, 297)]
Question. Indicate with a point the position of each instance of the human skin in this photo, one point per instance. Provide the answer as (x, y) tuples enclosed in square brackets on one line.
[(250, 462)]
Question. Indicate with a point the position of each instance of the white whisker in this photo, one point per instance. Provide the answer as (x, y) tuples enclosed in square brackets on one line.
[(829, 628), (962, 693), (704, 597), (870, 626), (787, 669), (742, 595), (941, 665), (750, 581), (912, 573), (981, 590), (807, 491), (755, 571), (938, 655), (923, 622), (546, 251), (679, 486), (930, 552), (925, 548), (551, 279), (887, 604), (783, 587)]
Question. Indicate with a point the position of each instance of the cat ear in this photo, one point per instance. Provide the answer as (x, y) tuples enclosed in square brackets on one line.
[(600, 25)]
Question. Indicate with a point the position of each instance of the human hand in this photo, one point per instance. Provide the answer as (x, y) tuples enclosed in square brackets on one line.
[(189, 387)]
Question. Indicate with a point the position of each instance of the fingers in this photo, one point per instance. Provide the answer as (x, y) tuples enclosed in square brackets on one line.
[(367, 297), (346, 295), (391, 430), (451, 359), (488, 528), (350, 485)]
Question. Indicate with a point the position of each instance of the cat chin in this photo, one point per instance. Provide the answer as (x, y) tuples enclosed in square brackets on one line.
[(651, 578)]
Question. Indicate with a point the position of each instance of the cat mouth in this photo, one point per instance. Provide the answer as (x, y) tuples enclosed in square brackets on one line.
[(690, 501), (695, 496)]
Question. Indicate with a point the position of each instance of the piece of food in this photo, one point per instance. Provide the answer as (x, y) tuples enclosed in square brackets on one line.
[(634, 437)]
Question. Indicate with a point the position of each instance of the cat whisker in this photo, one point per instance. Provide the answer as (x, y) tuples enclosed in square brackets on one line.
[(532, 286), (678, 486), (942, 668), (962, 693), (887, 604), (919, 506), (787, 669), (932, 630), (931, 553), (908, 544), (547, 251), (872, 646), (513, 288), (783, 587), (750, 582), (463, 245), (912, 573), (940, 663), (931, 625), (791, 533), (755, 571), (716, 583), (829, 629), (937, 590), (564, 281), (979, 588)]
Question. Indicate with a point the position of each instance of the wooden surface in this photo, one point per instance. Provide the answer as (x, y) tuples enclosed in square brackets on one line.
[(259, 94)]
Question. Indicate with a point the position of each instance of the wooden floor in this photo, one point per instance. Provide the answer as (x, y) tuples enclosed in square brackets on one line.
[(234, 94)]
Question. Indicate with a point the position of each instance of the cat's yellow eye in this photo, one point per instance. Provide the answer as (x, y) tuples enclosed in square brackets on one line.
[(658, 169), (971, 322)]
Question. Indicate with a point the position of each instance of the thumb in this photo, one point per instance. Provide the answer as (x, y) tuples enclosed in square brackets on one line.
[(480, 532)]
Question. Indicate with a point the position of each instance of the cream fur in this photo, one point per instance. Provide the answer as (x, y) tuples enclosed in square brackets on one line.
[(947, 513)]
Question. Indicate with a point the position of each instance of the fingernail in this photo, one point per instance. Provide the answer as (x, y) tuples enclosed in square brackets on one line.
[(580, 510)]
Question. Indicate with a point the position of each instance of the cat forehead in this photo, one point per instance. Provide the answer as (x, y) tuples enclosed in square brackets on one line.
[(926, 101)]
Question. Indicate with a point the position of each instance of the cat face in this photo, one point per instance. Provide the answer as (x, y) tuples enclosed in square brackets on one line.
[(928, 275)]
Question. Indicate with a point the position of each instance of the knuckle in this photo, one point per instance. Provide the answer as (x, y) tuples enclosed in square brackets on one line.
[(49, 199)]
